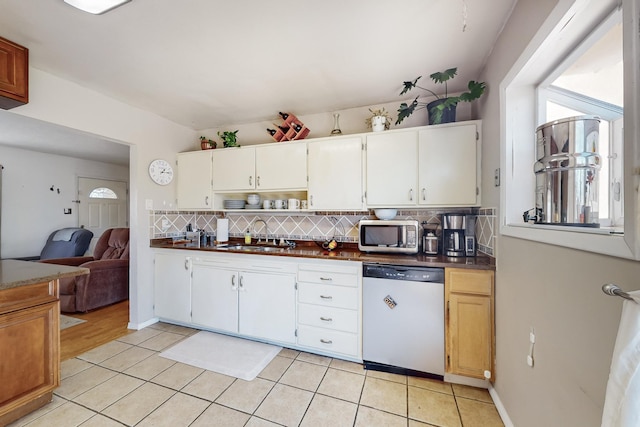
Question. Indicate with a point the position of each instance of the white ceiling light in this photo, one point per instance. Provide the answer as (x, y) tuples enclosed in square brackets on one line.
[(96, 7)]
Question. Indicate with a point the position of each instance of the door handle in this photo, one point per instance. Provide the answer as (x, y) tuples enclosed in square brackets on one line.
[(411, 195), (206, 200), (241, 284), (326, 297), (323, 341), (250, 181), (326, 319), (257, 181), (233, 283), (424, 193)]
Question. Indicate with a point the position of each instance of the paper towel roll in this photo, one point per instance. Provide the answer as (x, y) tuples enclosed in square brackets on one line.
[(223, 230)]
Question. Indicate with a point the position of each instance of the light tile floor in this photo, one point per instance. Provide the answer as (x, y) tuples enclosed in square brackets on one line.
[(125, 382)]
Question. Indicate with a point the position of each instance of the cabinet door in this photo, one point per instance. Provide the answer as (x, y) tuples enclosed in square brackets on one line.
[(392, 169), (194, 180), (14, 74), (30, 367), (267, 306), (172, 287), (448, 158), (281, 166), (470, 335), (469, 328), (234, 168), (214, 298), (335, 174)]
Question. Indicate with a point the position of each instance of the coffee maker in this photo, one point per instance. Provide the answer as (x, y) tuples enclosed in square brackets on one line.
[(458, 235)]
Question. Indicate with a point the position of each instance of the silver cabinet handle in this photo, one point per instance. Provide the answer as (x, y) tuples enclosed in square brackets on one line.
[(326, 297), (311, 200), (323, 341), (326, 319), (233, 283), (206, 201), (250, 181), (241, 287), (326, 279), (257, 181), (411, 195), (424, 194), (186, 263)]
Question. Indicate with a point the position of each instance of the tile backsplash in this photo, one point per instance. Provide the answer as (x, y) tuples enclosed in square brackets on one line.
[(343, 226)]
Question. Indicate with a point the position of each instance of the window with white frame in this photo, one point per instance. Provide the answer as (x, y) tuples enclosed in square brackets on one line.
[(590, 82), (544, 84)]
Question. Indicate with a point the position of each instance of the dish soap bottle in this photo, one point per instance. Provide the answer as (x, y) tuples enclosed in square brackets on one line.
[(247, 237)]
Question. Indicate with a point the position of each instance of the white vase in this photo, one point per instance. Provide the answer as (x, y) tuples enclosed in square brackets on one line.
[(377, 123)]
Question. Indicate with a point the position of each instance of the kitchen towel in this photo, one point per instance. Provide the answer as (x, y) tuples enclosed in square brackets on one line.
[(623, 387), (222, 230)]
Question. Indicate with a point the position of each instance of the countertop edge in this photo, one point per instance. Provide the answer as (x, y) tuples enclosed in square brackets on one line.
[(15, 273), (419, 260)]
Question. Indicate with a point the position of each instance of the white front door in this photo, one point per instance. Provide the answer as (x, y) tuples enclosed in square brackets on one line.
[(102, 204)]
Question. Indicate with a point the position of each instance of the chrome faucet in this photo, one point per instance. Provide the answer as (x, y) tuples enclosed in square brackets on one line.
[(266, 228)]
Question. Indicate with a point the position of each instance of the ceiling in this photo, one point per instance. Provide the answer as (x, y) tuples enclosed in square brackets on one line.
[(210, 63)]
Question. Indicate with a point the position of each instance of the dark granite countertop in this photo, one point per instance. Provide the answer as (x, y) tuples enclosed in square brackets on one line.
[(14, 273), (348, 252)]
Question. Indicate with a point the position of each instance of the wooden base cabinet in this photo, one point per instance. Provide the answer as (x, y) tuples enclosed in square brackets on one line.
[(469, 326), (29, 348)]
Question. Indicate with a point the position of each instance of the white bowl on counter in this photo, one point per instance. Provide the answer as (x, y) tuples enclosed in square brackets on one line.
[(385, 213)]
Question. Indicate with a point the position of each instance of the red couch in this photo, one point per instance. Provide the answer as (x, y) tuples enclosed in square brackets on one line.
[(108, 280)]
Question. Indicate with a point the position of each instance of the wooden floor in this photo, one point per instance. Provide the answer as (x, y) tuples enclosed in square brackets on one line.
[(101, 326)]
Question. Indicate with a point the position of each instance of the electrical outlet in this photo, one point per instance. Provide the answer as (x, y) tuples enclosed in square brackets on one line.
[(496, 178)]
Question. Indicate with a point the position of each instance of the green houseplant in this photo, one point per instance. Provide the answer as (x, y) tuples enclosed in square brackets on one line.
[(443, 105), (229, 139)]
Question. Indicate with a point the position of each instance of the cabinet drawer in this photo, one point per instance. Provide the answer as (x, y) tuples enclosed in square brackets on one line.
[(328, 277), (467, 281), (338, 319), (328, 340), (327, 295)]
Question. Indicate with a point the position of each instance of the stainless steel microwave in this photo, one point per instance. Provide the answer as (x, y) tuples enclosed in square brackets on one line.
[(392, 236)]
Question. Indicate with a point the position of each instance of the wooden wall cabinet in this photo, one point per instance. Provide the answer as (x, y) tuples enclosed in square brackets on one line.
[(469, 326), (14, 74), (29, 348)]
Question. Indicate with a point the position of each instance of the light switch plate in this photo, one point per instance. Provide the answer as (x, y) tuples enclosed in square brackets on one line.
[(496, 178), (148, 204)]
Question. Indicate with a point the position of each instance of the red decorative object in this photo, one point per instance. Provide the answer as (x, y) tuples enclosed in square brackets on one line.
[(290, 130)]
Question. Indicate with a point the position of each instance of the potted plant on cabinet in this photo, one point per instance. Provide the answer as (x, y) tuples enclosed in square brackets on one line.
[(442, 109), (379, 120), (207, 144), (229, 139)]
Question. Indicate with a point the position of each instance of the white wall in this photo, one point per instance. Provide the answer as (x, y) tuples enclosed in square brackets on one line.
[(30, 210), (552, 289), (59, 101)]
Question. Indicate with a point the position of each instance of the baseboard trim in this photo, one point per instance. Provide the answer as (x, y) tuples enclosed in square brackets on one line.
[(502, 411), (138, 326)]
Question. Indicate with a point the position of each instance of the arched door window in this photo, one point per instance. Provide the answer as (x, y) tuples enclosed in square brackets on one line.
[(103, 193)]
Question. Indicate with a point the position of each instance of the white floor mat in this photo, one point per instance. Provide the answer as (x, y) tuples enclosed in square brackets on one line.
[(68, 321), (226, 355)]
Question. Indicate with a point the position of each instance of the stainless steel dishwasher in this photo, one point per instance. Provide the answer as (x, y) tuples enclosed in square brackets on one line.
[(403, 319)]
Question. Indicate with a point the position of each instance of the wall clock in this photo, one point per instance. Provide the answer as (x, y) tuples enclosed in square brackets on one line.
[(161, 172)]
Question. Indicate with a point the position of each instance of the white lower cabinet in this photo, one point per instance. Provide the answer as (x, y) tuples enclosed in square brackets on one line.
[(307, 304), (254, 299), (172, 287), (329, 308)]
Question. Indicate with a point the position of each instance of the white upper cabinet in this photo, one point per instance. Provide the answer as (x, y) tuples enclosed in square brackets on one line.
[(392, 168), (336, 174), (278, 166), (432, 166), (194, 180), (448, 166), (234, 168), (281, 166)]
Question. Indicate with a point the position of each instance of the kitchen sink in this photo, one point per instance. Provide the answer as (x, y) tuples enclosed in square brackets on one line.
[(256, 248)]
